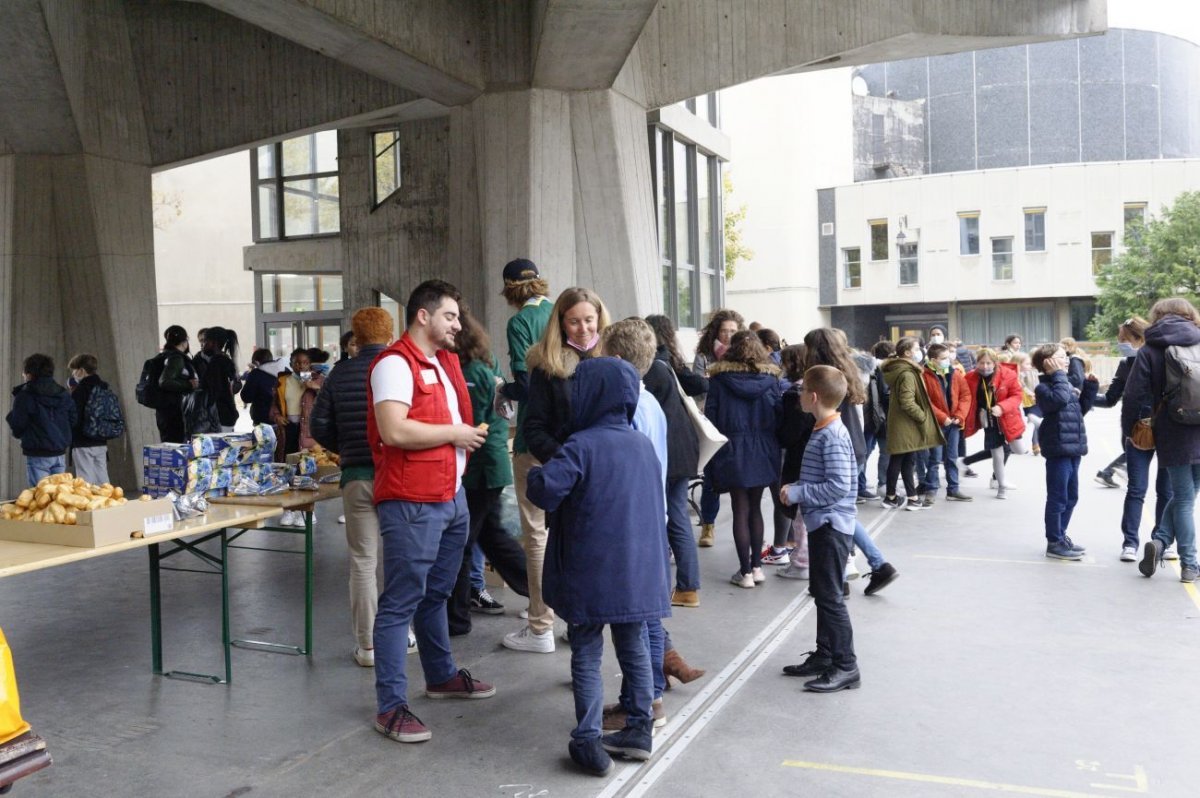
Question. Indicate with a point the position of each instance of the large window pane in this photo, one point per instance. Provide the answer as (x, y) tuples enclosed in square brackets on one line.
[(297, 293), (879, 239), (386, 164), (270, 300), (704, 190), (668, 270), (664, 197), (330, 296), (1101, 251), (1002, 262), (268, 212), (298, 156), (310, 202), (683, 244), (968, 234), (684, 286), (266, 161), (328, 205), (852, 268), (708, 293), (325, 151), (908, 264), (1035, 230)]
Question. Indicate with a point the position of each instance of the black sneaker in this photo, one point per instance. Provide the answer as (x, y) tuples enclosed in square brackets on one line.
[(914, 503), (1059, 550), (867, 495), (1105, 478), (929, 500), (482, 601), (590, 756), (881, 577), (892, 502), (814, 665), (1151, 557), (958, 496), (630, 743), (970, 472), (1074, 546)]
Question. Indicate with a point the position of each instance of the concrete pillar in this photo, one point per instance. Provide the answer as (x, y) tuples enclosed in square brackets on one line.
[(562, 178)]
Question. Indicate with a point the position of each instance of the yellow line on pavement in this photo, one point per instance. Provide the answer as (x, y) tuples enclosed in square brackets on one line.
[(1074, 564), (1188, 586), (949, 781)]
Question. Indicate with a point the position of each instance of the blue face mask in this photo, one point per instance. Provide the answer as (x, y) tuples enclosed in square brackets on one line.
[(1126, 349)]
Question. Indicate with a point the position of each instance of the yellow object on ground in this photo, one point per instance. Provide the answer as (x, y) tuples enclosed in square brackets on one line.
[(11, 724)]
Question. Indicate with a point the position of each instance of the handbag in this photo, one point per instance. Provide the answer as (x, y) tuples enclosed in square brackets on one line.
[(1142, 437), (709, 437)]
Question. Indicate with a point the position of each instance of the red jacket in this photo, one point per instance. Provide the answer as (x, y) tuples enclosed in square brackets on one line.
[(1007, 395), (960, 395), (418, 475)]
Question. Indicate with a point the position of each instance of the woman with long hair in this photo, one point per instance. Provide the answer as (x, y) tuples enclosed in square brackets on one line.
[(177, 378), (911, 426), (828, 346), (571, 336), (1174, 326), (744, 402), (217, 371), (489, 472), (996, 397), (714, 341)]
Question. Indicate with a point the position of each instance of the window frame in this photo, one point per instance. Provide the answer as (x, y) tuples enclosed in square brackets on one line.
[(847, 262), (278, 181), (1038, 214), (376, 200), (964, 236), (1096, 250), (1006, 260), (871, 225), (1126, 234), (902, 259)]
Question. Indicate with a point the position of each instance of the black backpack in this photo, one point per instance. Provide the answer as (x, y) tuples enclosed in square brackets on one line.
[(147, 391), (1181, 390)]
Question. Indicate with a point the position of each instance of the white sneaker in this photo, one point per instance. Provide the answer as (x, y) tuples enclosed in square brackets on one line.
[(341, 519), (412, 643), (742, 580), (1129, 554), (792, 572), (992, 483), (524, 614), (1169, 553), (528, 640), (758, 576), (1000, 493), (364, 656), (851, 571)]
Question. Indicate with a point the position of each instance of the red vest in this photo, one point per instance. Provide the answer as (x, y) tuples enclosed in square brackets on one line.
[(418, 475)]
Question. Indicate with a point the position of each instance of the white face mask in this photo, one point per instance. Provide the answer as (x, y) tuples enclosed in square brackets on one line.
[(936, 339), (944, 362), (918, 355)]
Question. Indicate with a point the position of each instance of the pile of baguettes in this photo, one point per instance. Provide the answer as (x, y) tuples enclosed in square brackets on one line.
[(58, 498)]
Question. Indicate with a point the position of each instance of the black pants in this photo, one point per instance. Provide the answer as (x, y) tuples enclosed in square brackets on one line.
[(827, 553), (291, 437), (170, 424), (502, 550), (902, 463), (985, 454)]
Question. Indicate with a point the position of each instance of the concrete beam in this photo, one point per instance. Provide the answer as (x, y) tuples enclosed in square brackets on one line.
[(582, 44), (35, 116), (430, 49), (690, 48)]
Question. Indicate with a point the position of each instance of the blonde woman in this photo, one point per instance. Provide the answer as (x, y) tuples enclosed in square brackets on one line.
[(571, 335)]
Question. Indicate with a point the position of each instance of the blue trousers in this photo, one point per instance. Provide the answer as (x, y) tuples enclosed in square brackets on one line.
[(587, 651), (1137, 464), (38, 468), (423, 546), (1062, 493), (1179, 520), (681, 538), (710, 502), (863, 543)]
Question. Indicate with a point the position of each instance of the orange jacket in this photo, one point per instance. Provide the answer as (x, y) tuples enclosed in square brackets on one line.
[(960, 395)]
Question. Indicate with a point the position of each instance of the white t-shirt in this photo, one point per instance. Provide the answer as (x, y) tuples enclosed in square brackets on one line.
[(392, 381)]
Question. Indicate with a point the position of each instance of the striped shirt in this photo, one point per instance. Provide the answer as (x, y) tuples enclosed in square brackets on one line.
[(828, 479)]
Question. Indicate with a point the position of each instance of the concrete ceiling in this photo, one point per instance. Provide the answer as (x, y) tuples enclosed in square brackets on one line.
[(582, 44), (35, 115)]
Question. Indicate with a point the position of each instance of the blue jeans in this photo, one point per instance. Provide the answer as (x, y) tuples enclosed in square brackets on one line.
[(710, 502), (930, 459), (863, 542), (587, 650), (655, 637), (681, 537), (880, 467), (422, 553), (38, 468), (1178, 518), (477, 582), (1062, 493), (1137, 464), (953, 435)]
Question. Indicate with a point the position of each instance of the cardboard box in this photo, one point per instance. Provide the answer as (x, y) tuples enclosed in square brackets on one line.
[(166, 455), (98, 527)]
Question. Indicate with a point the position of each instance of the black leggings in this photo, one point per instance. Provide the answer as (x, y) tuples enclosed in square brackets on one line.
[(985, 454), (747, 526), (902, 463)]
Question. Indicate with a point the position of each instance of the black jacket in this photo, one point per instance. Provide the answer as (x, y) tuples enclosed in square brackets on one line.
[(1176, 444), (80, 396), (876, 407), (795, 428), (548, 420), (42, 417), (258, 391), (1062, 433), (683, 446), (218, 376), (339, 415), (1116, 388)]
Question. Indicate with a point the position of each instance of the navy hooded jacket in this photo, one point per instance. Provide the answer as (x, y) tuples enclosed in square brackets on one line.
[(43, 416), (746, 407), (606, 555), (1062, 433), (1176, 444)]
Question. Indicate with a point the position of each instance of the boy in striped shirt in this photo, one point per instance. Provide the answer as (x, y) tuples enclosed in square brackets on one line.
[(825, 493)]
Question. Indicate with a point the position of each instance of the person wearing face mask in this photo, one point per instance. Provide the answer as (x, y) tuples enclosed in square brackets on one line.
[(1131, 336), (995, 409), (950, 399), (295, 394), (571, 336), (89, 453), (714, 341), (911, 426)]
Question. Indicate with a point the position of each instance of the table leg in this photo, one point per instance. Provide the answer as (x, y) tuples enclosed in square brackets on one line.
[(225, 635), (308, 582), (155, 612)]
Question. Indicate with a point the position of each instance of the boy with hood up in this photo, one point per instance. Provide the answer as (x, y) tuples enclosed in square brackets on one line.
[(42, 418), (603, 490)]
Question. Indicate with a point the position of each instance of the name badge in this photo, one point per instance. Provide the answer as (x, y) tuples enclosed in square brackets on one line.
[(429, 376)]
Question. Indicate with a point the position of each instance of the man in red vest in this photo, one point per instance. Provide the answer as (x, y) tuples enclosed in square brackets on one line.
[(419, 426)]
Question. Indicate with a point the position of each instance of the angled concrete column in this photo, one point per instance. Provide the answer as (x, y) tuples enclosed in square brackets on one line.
[(562, 178)]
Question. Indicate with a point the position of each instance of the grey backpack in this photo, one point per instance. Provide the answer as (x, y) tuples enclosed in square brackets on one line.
[(1181, 391)]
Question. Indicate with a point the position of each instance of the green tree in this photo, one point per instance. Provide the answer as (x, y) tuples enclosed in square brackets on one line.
[(735, 250), (1162, 260)]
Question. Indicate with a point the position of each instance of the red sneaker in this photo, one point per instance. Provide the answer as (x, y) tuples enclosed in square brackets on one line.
[(402, 726), (461, 686)]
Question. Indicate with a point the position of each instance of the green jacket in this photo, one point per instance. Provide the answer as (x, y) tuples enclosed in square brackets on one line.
[(524, 330), (489, 466), (911, 426)]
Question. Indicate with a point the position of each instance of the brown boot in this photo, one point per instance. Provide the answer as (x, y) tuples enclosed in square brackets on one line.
[(673, 665), (706, 536)]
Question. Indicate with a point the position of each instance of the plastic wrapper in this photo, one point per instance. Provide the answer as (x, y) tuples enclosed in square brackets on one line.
[(307, 465), (305, 483), (328, 478), (188, 505), (264, 437)]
